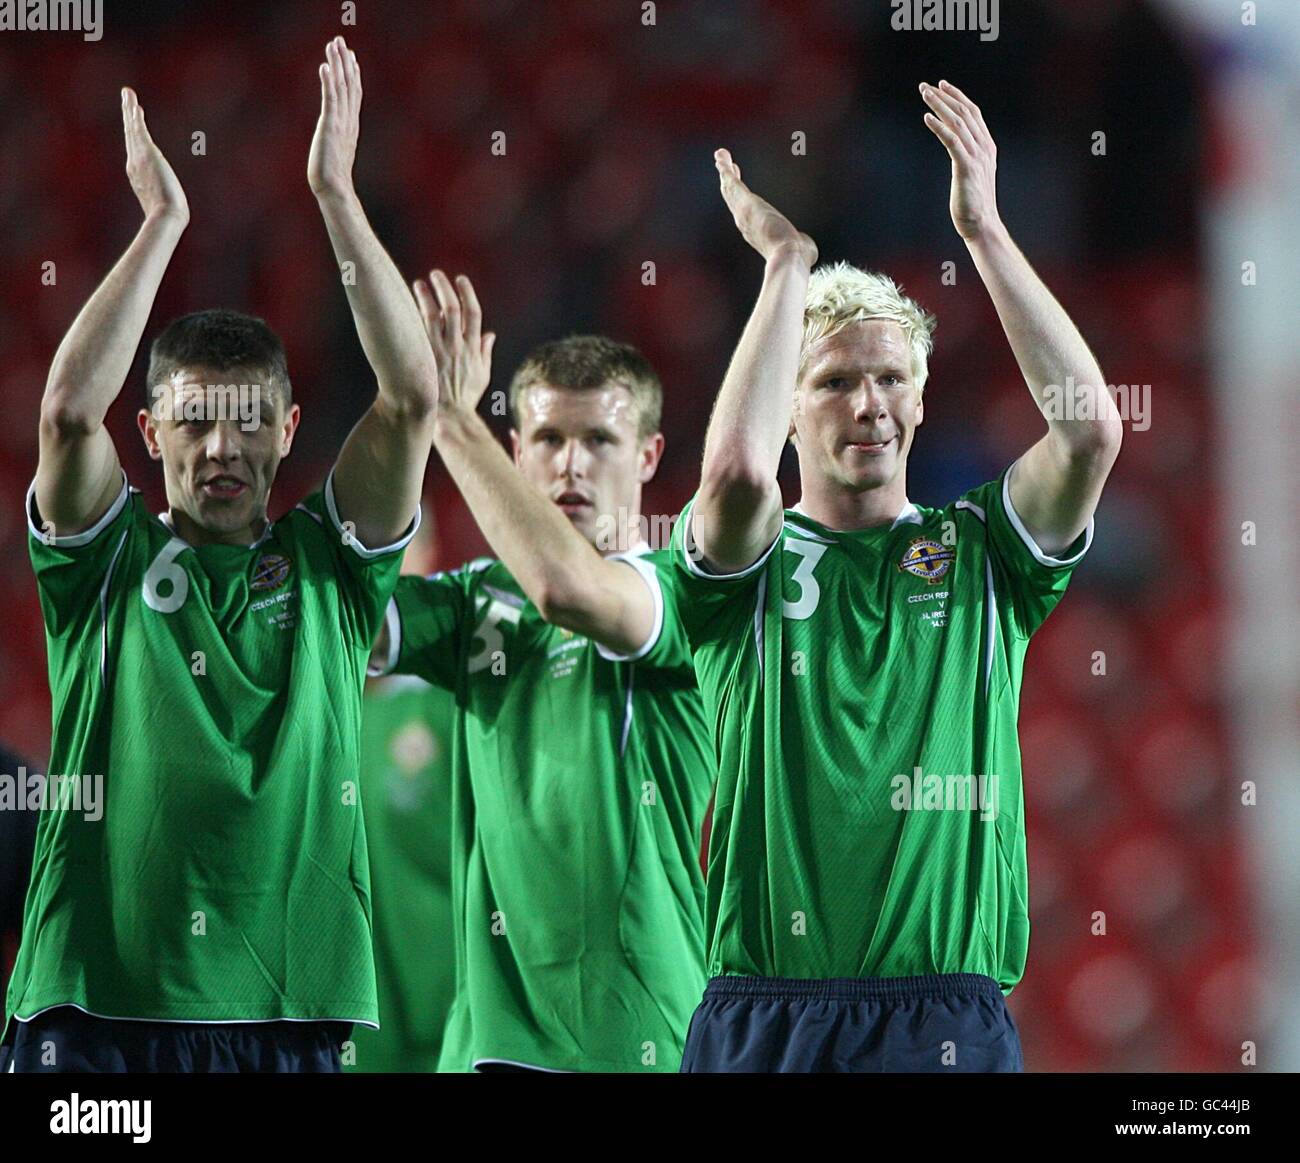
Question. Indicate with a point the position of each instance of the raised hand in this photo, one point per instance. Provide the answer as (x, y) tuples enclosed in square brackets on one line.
[(453, 320), (153, 180), (334, 145), (763, 226), (957, 122)]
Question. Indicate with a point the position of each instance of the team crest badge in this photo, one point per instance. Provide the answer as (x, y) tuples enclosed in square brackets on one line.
[(270, 571), (927, 559)]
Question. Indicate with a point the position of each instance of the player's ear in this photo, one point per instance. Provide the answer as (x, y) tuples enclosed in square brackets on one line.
[(289, 428), (920, 408), (652, 451), (516, 446), (149, 431)]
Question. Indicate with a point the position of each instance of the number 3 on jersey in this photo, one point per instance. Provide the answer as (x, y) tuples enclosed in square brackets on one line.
[(809, 591)]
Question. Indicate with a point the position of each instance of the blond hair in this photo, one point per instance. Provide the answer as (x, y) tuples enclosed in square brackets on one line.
[(840, 294)]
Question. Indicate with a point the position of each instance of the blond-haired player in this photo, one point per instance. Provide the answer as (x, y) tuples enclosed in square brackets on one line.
[(861, 656)]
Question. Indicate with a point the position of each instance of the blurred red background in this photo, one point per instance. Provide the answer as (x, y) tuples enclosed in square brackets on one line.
[(609, 127)]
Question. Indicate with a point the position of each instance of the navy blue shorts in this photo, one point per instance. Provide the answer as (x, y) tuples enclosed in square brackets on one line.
[(65, 1040), (955, 1022)]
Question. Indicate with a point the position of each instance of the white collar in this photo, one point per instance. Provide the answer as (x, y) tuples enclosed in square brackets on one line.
[(638, 548), (908, 515), (166, 518)]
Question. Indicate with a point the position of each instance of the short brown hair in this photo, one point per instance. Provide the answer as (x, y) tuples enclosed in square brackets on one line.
[(222, 340), (587, 362)]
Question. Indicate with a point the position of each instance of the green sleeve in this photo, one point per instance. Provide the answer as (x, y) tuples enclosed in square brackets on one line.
[(425, 625), (667, 647), (71, 571), (1035, 580), (713, 606), (368, 575)]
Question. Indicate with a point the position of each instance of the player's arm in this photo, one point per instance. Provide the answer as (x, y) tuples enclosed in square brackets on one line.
[(1056, 484), (78, 474), (738, 510), (381, 467), (565, 578)]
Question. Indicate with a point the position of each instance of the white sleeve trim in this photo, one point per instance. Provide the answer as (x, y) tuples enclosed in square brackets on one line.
[(393, 621), (1019, 526), (86, 536), (693, 566), (351, 539), (651, 578)]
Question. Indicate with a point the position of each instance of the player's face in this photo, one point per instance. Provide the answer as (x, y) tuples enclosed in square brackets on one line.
[(581, 448), (220, 450), (857, 407)]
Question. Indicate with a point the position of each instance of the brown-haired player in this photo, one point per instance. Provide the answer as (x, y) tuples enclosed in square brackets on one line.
[(581, 764)]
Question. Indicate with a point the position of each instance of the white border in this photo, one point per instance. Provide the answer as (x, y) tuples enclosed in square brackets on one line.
[(650, 575), (803, 531), (352, 539), (103, 611), (629, 709), (188, 1021), (86, 536), (990, 594), (990, 605), (692, 568), (523, 1065), (393, 621), (909, 514), (1019, 526)]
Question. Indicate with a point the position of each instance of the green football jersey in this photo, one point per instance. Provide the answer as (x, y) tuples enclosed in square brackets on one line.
[(215, 692), (580, 782), (865, 688), (406, 789)]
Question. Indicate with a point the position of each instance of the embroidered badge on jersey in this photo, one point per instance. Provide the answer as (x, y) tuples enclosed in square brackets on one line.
[(271, 571), (927, 559)]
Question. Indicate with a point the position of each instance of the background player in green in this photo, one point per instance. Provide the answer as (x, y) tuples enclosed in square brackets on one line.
[(406, 726), (207, 664), (582, 766), (862, 656)]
